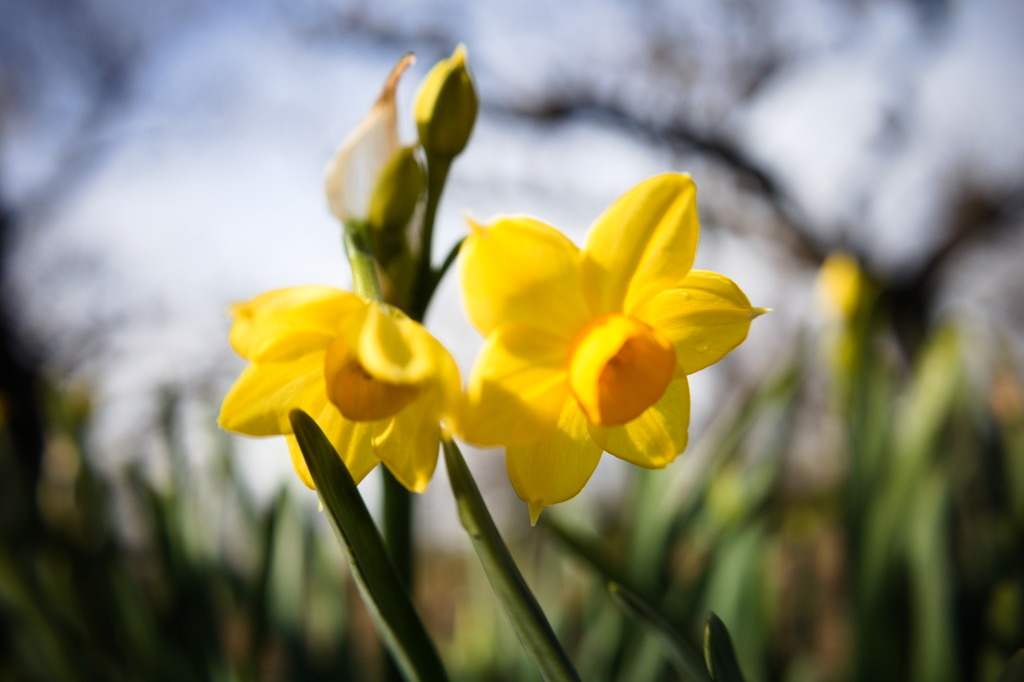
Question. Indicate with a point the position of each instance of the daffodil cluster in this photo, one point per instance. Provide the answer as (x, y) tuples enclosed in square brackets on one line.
[(377, 383), (586, 351)]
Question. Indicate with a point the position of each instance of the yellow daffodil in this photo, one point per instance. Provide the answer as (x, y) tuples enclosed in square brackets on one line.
[(842, 286), (846, 296), (351, 174), (377, 383), (588, 351)]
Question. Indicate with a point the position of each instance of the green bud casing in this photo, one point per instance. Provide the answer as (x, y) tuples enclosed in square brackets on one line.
[(393, 204), (446, 107), (396, 193)]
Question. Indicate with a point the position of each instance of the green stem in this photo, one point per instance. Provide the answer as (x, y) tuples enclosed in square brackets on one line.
[(398, 541), (437, 174), (360, 258), (398, 527), (397, 500)]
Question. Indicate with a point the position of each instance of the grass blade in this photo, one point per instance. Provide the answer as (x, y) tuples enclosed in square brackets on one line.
[(685, 655), (718, 651), (586, 549), (385, 596), (520, 605)]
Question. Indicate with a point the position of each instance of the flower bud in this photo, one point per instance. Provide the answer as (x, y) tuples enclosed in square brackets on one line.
[(392, 207), (351, 173), (446, 107), (396, 194)]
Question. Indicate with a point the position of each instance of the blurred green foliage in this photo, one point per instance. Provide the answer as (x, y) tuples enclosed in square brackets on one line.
[(901, 560), (189, 580)]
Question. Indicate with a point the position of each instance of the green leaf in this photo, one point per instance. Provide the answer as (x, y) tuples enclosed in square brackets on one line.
[(385, 596), (520, 605), (718, 652), (684, 654)]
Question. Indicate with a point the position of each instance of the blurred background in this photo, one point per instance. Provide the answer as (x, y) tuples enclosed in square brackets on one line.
[(852, 502)]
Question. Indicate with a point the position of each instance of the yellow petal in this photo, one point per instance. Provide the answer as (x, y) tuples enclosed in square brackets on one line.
[(259, 401), (518, 387), (705, 318), (299, 462), (286, 323), (351, 440), (521, 270), (352, 172), (620, 367), (393, 348), (408, 442), (354, 442), (449, 383), (555, 468), (643, 243), (357, 394), (654, 438)]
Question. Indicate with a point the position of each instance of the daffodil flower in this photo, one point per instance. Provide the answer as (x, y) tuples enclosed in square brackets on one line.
[(351, 174), (377, 383), (588, 351), (842, 286)]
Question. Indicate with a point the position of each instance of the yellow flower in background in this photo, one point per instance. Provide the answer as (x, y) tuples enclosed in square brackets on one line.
[(588, 351), (377, 383), (846, 297), (842, 286), (351, 174)]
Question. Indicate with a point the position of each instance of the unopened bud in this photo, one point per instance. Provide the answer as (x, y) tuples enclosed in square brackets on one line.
[(396, 193), (353, 169), (446, 107)]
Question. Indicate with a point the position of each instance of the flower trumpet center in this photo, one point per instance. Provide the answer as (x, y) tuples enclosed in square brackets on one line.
[(618, 368), (361, 397)]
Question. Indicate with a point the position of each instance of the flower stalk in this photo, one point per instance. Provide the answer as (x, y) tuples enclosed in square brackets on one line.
[(360, 258), (398, 503), (437, 175)]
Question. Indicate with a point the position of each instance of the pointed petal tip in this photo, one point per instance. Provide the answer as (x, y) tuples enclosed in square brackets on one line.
[(476, 229), (758, 312), (391, 84), (683, 181), (535, 509)]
